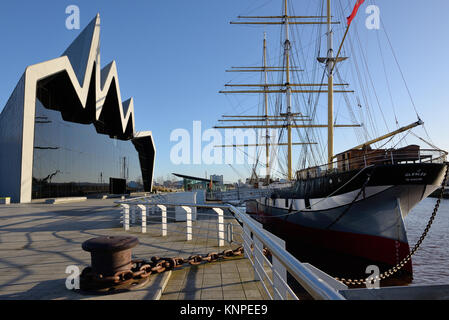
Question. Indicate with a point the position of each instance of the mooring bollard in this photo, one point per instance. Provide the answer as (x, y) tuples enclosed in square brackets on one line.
[(110, 254), (111, 267)]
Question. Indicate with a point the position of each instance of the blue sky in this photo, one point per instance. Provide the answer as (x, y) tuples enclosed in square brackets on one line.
[(172, 57)]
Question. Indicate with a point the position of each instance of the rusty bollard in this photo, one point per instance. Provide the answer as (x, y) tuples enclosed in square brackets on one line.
[(110, 254), (111, 265)]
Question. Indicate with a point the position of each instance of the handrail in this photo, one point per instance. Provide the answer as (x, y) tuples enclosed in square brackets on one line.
[(315, 286)]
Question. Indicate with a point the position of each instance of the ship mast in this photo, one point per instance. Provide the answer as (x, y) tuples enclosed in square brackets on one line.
[(289, 118), (267, 136), (288, 89), (330, 87)]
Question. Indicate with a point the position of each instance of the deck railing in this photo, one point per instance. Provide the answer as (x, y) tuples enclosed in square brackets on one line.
[(272, 273), (389, 156)]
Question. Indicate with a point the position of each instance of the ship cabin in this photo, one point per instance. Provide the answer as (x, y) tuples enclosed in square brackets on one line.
[(359, 158)]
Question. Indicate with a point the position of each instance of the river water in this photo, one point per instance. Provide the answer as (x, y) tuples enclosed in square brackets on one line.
[(431, 261)]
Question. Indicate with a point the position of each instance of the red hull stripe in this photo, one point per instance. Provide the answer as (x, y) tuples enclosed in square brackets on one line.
[(369, 247)]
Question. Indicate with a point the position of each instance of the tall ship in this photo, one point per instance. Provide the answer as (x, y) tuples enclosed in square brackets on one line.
[(347, 212)]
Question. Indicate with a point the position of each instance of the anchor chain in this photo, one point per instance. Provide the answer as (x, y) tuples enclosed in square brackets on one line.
[(401, 264), (142, 269)]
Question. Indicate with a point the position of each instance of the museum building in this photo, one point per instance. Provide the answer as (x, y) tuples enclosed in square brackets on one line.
[(66, 132)]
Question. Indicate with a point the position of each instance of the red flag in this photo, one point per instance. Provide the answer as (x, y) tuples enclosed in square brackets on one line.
[(354, 12)]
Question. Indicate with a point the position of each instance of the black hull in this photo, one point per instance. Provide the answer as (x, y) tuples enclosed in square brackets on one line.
[(365, 229)]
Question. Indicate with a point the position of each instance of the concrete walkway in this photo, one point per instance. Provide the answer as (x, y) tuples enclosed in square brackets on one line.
[(228, 280), (39, 241)]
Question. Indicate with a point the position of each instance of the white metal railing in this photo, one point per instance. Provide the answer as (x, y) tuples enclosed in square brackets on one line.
[(272, 274)]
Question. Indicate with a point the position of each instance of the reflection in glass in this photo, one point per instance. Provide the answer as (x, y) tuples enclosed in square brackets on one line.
[(72, 159)]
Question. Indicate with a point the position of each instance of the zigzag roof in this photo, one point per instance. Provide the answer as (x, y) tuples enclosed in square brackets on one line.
[(78, 62)]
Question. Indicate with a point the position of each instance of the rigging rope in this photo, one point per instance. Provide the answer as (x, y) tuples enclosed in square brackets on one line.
[(399, 67)]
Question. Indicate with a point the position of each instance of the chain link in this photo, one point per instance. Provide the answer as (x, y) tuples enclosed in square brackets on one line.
[(142, 269), (401, 264)]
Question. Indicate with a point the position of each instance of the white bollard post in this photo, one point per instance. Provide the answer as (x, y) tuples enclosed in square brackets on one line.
[(164, 219), (143, 217), (220, 226), (125, 216), (188, 211)]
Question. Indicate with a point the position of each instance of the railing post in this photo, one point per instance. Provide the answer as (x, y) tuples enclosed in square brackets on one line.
[(279, 272), (125, 216), (164, 219), (229, 233), (188, 211), (220, 226), (143, 217), (247, 241), (258, 258)]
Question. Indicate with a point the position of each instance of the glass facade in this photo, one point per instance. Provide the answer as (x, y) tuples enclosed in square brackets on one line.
[(72, 159), (192, 185)]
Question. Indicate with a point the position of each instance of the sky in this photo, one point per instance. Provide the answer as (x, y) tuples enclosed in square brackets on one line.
[(172, 56)]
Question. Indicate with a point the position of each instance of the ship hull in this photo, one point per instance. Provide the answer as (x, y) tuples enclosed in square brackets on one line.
[(345, 233)]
